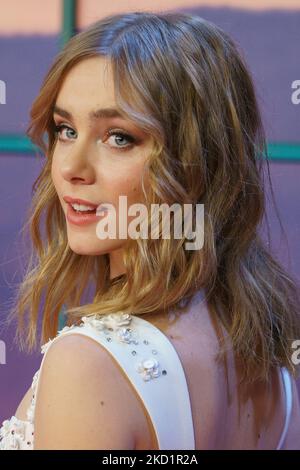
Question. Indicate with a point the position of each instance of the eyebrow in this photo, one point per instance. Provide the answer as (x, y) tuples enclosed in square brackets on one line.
[(101, 113)]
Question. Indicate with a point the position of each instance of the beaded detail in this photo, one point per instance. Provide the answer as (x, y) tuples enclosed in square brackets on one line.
[(108, 322), (18, 434), (117, 325)]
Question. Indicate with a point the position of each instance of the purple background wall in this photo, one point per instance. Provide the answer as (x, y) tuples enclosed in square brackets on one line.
[(269, 40)]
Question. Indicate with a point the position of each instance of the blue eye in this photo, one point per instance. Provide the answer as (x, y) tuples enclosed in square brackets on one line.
[(59, 128), (122, 135)]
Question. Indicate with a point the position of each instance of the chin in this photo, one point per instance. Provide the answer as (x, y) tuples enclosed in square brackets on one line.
[(88, 248), (84, 251)]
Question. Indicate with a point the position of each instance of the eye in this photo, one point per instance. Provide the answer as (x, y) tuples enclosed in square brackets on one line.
[(61, 127), (120, 137)]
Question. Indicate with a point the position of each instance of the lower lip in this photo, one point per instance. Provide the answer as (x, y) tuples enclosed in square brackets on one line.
[(84, 218)]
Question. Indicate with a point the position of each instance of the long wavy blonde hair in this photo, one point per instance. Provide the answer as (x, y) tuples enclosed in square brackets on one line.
[(183, 80)]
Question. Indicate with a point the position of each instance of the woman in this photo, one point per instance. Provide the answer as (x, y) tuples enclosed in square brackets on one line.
[(161, 109)]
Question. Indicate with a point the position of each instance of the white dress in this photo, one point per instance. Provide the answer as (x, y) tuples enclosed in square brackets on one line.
[(152, 364)]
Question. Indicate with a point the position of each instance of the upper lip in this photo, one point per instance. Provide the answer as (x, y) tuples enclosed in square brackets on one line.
[(72, 200)]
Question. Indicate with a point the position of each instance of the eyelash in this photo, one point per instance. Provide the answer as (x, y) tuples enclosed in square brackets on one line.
[(59, 127)]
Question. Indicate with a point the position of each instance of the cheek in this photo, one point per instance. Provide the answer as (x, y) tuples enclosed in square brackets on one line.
[(131, 186), (128, 183)]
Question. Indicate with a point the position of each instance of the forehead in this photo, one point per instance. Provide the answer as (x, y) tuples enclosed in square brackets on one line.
[(88, 83)]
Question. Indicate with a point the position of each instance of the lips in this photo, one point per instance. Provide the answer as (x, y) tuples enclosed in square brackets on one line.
[(83, 218)]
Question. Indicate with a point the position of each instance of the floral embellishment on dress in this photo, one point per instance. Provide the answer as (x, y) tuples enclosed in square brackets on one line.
[(112, 323), (12, 434), (92, 322), (126, 335), (149, 369), (5, 428)]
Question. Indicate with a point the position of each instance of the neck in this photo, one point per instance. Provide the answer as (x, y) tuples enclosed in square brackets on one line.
[(116, 264)]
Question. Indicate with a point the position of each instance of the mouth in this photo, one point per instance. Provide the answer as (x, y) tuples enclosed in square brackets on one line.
[(84, 216)]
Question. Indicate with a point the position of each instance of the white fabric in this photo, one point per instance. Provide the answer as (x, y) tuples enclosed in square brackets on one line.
[(287, 382), (164, 395)]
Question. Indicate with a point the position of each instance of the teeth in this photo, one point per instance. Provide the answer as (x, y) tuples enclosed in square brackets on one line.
[(81, 207)]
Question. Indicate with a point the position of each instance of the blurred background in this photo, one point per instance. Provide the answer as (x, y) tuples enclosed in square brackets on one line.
[(31, 34)]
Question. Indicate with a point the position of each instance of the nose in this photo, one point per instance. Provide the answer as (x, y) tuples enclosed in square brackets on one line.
[(76, 165)]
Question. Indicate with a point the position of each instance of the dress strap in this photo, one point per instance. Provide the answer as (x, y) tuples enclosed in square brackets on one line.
[(152, 365), (287, 382)]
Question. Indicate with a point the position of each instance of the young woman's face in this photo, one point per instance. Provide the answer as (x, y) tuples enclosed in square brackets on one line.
[(92, 158)]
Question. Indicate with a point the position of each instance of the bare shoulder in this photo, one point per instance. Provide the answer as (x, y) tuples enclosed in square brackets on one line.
[(83, 401)]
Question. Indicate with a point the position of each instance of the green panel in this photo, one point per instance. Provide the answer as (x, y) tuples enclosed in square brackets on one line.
[(14, 143), (62, 318), (283, 151), (68, 21)]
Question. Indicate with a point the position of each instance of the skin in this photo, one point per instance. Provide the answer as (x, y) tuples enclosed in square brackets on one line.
[(91, 165)]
